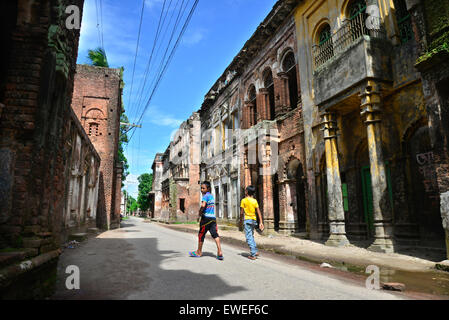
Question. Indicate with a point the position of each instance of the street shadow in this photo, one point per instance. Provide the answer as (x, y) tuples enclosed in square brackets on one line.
[(118, 269)]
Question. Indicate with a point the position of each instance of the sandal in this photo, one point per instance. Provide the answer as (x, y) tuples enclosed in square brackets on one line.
[(252, 258), (221, 258), (193, 254)]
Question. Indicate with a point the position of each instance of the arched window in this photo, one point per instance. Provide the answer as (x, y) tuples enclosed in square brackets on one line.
[(269, 85), (356, 8), (324, 48), (289, 67), (324, 35), (356, 13), (252, 98), (404, 21)]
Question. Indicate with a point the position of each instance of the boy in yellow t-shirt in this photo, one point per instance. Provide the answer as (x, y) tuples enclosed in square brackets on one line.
[(249, 207)]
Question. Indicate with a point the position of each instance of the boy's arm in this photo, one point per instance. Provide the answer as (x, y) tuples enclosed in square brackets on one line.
[(202, 208), (260, 219), (242, 215)]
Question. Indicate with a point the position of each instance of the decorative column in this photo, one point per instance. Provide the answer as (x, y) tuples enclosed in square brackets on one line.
[(336, 212), (250, 106), (267, 180), (263, 112), (382, 211), (284, 95)]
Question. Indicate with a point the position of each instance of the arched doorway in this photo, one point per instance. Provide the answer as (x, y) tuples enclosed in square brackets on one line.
[(289, 67), (295, 176), (425, 199)]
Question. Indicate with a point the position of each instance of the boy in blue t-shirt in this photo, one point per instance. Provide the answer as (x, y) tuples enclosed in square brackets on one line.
[(208, 222)]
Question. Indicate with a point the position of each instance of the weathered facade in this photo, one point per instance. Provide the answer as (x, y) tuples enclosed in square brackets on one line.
[(41, 144), (370, 164), (220, 160), (252, 127), (430, 20), (156, 192), (97, 103), (176, 175)]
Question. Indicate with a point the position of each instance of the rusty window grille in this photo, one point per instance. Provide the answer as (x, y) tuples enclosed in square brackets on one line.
[(350, 31), (324, 51), (356, 8), (404, 21)]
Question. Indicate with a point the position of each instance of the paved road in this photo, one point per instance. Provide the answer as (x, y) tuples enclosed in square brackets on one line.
[(147, 261)]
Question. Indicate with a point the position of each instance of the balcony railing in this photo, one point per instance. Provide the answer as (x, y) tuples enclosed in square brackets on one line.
[(347, 34)]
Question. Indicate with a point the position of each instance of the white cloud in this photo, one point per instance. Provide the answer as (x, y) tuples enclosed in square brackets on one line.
[(193, 37)]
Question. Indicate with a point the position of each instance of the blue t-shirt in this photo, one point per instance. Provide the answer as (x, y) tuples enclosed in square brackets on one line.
[(209, 212)]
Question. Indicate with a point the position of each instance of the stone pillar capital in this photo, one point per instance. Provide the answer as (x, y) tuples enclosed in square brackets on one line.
[(263, 91), (249, 103), (370, 107), (283, 75)]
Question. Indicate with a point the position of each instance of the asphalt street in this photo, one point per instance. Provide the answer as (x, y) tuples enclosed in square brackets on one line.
[(146, 261)]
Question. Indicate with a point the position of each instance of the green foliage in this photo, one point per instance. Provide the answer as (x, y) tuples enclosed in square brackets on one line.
[(98, 58), (131, 203), (145, 185)]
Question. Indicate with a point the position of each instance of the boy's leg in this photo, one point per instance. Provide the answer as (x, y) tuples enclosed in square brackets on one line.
[(217, 242), (249, 234), (201, 236), (199, 251), (214, 232), (255, 244)]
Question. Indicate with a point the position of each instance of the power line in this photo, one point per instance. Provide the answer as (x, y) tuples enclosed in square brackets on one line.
[(170, 58), (137, 50), (139, 106), (162, 19)]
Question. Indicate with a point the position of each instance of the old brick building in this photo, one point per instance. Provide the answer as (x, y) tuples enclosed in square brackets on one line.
[(430, 20), (220, 160), (252, 129), (175, 193), (97, 102), (156, 191), (370, 162), (44, 152)]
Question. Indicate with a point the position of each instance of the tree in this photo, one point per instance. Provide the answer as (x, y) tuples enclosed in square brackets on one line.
[(98, 58), (145, 185), (123, 140), (131, 203)]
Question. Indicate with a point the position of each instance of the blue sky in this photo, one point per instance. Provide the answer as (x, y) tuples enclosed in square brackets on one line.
[(216, 33)]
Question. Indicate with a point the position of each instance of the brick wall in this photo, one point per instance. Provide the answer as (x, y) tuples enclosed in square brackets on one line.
[(97, 103), (35, 88)]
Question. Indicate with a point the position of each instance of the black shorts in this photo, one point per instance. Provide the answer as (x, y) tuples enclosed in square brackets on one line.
[(207, 224)]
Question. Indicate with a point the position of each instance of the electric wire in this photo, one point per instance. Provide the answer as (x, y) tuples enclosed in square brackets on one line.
[(169, 59)]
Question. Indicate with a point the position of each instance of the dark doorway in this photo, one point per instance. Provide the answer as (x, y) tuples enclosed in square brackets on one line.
[(182, 205), (295, 175), (301, 199), (425, 199), (217, 201), (8, 22), (276, 202)]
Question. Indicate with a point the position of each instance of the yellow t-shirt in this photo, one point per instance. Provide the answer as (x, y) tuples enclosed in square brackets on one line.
[(249, 205)]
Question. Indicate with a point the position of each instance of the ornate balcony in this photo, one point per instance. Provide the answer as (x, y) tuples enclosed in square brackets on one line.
[(357, 51)]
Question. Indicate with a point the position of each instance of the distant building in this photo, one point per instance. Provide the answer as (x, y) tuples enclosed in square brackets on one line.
[(97, 103)]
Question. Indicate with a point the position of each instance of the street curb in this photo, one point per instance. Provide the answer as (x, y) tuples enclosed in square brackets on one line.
[(341, 263)]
